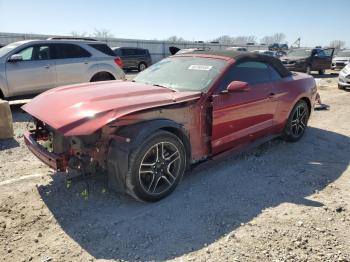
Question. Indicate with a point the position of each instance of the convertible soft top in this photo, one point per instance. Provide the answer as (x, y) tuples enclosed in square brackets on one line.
[(240, 56)]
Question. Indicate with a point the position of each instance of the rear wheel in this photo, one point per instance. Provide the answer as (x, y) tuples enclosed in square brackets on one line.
[(297, 122), (142, 66), (102, 77), (156, 167)]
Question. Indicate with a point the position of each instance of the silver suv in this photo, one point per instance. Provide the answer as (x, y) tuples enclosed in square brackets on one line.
[(33, 66)]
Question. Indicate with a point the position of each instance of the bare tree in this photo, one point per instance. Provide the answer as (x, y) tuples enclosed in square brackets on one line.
[(102, 33), (225, 39), (236, 40), (271, 39), (337, 44), (77, 34), (175, 38)]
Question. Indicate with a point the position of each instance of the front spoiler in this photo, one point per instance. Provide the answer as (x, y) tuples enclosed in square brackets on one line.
[(52, 160)]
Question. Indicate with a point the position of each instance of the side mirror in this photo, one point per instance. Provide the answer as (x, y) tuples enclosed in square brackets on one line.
[(16, 58), (236, 86)]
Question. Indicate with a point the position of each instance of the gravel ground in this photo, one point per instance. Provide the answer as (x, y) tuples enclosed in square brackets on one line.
[(278, 202)]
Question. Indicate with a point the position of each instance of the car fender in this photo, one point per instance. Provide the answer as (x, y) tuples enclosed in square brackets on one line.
[(3, 82), (139, 132), (135, 134)]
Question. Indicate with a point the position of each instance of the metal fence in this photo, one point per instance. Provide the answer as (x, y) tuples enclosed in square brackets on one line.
[(158, 49)]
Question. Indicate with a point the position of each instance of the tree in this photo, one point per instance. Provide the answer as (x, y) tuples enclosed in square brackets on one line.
[(175, 38), (271, 39), (337, 44), (236, 40), (77, 34), (102, 33)]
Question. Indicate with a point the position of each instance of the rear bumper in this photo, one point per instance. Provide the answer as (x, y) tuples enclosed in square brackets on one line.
[(52, 160)]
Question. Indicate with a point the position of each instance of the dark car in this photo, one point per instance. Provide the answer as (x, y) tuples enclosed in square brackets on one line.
[(307, 60), (133, 57), (186, 108), (277, 46)]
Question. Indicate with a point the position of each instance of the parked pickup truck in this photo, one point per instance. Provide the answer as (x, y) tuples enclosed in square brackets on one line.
[(308, 59)]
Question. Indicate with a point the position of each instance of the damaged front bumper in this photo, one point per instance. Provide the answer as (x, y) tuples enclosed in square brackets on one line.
[(53, 160)]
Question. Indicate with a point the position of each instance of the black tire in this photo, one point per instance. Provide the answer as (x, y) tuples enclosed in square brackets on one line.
[(297, 122), (149, 180), (321, 72), (142, 66), (102, 77), (340, 87)]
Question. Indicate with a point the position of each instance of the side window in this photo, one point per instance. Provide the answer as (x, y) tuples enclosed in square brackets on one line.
[(274, 75), (103, 48), (27, 53), (118, 51), (251, 72), (42, 53), (321, 53), (129, 51), (64, 51), (141, 52)]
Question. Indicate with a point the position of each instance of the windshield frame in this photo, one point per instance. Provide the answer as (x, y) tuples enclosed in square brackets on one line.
[(4, 51), (205, 89)]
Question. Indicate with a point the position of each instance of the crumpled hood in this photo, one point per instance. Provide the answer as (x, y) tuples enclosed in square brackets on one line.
[(84, 108)]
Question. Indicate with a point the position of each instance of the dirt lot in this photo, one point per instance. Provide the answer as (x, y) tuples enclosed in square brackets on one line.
[(278, 202)]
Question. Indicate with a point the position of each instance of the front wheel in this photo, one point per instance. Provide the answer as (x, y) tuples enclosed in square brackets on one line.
[(156, 167), (297, 122)]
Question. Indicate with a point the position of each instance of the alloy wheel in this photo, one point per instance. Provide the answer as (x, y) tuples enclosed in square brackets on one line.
[(159, 168), (299, 121)]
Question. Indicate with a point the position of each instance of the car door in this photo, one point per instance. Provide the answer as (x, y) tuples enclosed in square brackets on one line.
[(243, 116), (72, 64), (34, 73), (327, 56)]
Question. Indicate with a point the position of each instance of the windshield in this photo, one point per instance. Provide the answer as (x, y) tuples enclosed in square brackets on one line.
[(300, 52), (8, 48), (344, 53), (183, 73)]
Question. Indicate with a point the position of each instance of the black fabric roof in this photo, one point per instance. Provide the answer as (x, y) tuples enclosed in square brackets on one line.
[(240, 56)]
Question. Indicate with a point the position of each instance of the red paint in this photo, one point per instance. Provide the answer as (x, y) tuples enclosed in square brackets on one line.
[(214, 122)]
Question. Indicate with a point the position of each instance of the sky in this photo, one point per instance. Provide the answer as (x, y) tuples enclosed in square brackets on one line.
[(317, 22)]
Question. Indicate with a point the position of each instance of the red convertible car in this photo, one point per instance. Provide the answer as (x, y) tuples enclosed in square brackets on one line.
[(186, 108)]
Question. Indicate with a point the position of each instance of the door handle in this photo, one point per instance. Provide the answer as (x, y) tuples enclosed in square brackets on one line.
[(86, 62), (46, 66), (271, 95)]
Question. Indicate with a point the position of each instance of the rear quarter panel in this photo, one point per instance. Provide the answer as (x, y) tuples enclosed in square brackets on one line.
[(288, 92)]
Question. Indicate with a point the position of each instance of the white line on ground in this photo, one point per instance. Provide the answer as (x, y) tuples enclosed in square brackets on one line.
[(14, 180)]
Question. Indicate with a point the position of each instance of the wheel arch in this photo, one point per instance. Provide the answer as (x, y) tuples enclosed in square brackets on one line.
[(308, 102), (102, 73), (140, 131)]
